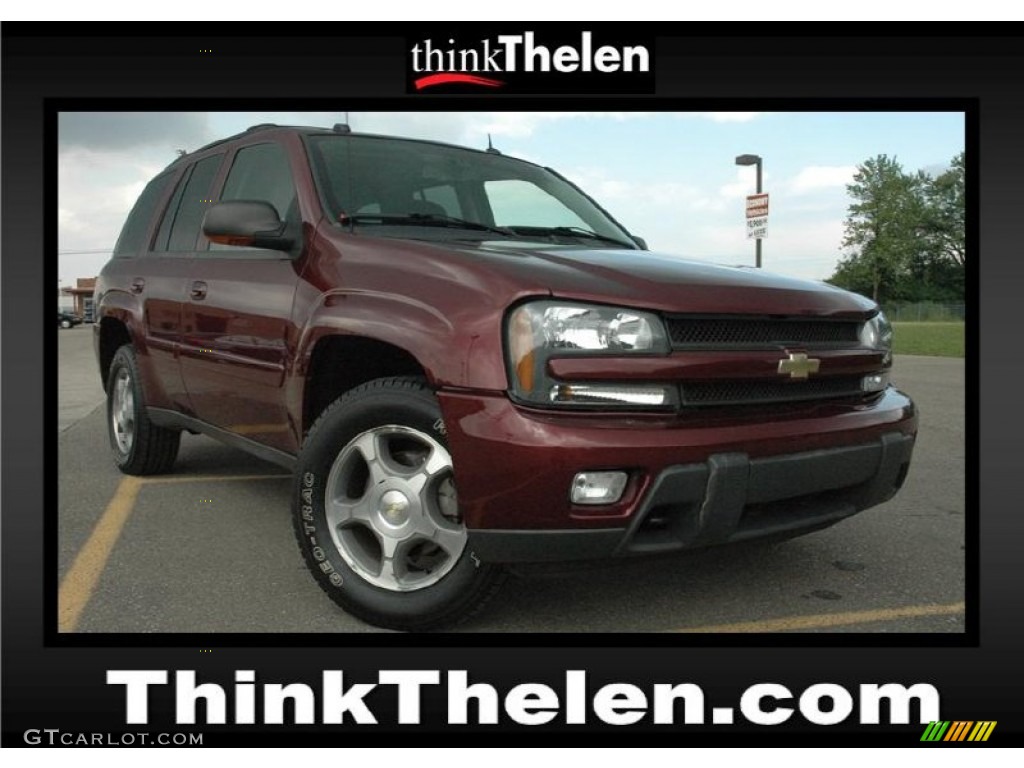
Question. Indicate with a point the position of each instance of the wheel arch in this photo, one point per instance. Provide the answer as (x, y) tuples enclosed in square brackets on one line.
[(386, 334), (112, 333), (329, 373)]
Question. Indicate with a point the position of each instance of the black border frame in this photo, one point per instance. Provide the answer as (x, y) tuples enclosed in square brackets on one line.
[(696, 64)]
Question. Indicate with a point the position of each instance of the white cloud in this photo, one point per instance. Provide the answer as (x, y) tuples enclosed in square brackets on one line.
[(68, 220), (706, 222), (807, 250), (729, 117), (470, 127), (96, 188), (735, 190), (637, 200), (525, 124), (815, 177), (744, 185)]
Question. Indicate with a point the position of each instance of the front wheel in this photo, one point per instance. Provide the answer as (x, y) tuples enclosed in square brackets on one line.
[(65, 323), (376, 511)]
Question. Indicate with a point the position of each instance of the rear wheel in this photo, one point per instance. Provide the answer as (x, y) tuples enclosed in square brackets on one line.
[(377, 514), (139, 446), (65, 323)]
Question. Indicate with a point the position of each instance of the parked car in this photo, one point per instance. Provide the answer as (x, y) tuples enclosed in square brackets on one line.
[(67, 320), (467, 362)]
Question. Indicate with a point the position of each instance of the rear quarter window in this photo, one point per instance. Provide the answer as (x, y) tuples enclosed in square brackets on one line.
[(137, 226)]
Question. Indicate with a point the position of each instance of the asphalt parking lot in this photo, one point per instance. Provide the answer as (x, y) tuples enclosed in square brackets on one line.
[(209, 548)]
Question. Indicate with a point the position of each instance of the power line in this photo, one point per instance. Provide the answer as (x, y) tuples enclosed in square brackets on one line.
[(75, 253)]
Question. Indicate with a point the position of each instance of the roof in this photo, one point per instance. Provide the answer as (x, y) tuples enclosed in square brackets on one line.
[(339, 129)]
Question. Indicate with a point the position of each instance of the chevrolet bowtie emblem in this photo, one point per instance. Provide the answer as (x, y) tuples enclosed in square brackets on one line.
[(799, 366)]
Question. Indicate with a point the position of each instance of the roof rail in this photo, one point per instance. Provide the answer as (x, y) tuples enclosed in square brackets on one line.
[(247, 131)]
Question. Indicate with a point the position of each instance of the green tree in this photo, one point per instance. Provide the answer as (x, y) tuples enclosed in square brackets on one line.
[(944, 220), (905, 237), (881, 234)]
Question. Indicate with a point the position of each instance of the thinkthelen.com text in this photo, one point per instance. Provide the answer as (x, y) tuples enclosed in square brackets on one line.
[(574, 701)]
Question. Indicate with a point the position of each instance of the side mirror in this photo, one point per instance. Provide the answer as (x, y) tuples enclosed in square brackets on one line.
[(252, 223), (640, 242)]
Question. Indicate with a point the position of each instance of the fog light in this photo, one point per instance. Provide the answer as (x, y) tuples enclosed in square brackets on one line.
[(598, 487), (609, 394), (875, 382)]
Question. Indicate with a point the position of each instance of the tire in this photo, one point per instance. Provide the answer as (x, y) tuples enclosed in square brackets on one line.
[(65, 323), (375, 511), (139, 446)]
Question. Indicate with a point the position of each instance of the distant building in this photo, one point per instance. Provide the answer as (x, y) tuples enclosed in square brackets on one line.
[(81, 297), (64, 302)]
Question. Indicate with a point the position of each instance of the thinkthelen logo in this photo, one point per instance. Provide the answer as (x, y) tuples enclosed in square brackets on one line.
[(528, 62)]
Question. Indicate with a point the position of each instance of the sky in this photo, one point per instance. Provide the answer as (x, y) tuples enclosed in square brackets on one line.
[(669, 177)]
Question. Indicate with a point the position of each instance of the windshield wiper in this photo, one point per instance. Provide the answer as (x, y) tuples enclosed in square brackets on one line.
[(421, 220), (571, 232), (442, 220)]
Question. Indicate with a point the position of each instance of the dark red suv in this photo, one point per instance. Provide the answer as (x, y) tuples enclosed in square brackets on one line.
[(468, 362)]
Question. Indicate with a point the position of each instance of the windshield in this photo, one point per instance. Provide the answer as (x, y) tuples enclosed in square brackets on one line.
[(384, 183)]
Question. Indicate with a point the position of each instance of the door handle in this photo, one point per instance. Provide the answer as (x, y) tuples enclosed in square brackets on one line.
[(138, 284), (198, 291)]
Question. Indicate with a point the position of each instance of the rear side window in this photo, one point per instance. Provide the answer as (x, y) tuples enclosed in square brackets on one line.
[(135, 228), (180, 227)]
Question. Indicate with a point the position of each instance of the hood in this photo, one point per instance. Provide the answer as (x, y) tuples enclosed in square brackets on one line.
[(660, 281)]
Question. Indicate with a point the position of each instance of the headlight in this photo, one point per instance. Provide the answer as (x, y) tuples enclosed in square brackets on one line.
[(876, 333), (589, 328), (540, 330)]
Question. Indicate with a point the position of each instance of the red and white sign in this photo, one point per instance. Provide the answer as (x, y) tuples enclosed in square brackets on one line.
[(757, 206), (757, 216)]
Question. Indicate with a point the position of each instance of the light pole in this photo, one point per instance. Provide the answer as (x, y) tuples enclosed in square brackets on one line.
[(753, 160)]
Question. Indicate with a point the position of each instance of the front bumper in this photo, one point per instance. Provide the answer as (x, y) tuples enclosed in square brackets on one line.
[(694, 480), (728, 498)]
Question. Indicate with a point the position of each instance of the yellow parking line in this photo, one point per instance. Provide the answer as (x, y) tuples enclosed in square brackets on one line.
[(210, 478), (826, 620), (80, 581), (77, 587)]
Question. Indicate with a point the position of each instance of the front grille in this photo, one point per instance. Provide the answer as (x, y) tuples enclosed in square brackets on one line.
[(754, 332), (751, 391)]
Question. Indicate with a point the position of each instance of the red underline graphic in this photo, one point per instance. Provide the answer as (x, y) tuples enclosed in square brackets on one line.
[(443, 78)]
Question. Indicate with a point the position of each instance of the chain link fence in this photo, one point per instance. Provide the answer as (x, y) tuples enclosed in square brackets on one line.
[(924, 312)]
